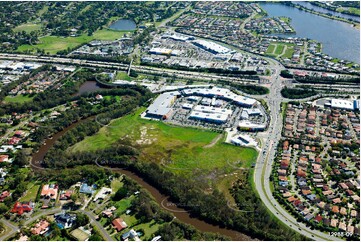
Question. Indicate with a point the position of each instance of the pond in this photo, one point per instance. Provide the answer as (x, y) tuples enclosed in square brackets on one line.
[(123, 25)]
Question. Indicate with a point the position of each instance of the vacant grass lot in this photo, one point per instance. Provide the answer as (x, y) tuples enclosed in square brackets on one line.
[(53, 44), (279, 49), (121, 75), (270, 49), (27, 27), (276, 49), (31, 193), (18, 99), (178, 148)]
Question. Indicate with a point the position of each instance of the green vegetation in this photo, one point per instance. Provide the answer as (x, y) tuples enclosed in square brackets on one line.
[(32, 191), (270, 49), (353, 11), (53, 44), (18, 99), (296, 93), (288, 53), (108, 34), (121, 75), (177, 147), (28, 27), (279, 49)]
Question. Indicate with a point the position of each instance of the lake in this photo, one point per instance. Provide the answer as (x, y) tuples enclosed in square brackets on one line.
[(339, 39), (123, 25)]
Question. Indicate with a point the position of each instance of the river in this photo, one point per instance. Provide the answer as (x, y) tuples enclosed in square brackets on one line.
[(339, 39), (324, 10), (160, 198)]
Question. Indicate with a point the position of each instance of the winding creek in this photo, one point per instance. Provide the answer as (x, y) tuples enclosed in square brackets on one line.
[(160, 198)]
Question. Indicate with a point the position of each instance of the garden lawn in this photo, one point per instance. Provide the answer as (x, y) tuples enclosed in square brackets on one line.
[(31, 193)]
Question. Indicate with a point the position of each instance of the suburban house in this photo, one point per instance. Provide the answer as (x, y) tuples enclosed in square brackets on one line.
[(119, 224)]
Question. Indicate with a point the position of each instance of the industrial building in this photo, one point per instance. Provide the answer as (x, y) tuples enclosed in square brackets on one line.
[(161, 107)]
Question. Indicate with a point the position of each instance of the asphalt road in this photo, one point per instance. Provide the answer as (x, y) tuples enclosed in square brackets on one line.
[(93, 221), (263, 166)]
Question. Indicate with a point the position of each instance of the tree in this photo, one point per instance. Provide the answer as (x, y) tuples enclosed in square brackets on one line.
[(120, 194), (81, 219), (20, 159), (3, 208), (74, 196)]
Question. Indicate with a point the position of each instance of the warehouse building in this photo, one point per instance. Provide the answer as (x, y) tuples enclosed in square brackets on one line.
[(161, 107)]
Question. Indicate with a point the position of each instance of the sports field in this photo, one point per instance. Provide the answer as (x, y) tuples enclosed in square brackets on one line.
[(178, 148)]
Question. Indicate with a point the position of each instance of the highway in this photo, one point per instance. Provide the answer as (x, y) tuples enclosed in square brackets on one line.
[(265, 159), (124, 67)]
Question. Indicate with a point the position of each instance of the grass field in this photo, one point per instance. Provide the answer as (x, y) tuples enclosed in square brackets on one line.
[(115, 185), (270, 49), (178, 148), (276, 49), (53, 44), (288, 53), (31, 193), (27, 27), (18, 99), (279, 49), (124, 204), (121, 75)]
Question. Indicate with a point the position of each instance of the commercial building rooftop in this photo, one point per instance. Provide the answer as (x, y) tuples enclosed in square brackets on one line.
[(161, 105), (211, 46), (342, 104)]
